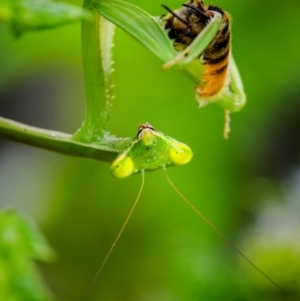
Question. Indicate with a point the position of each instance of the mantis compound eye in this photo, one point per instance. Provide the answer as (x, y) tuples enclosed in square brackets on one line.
[(122, 167), (179, 153)]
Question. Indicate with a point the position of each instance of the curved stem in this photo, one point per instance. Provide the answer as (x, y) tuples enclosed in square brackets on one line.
[(96, 106), (91, 140), (56, 141)]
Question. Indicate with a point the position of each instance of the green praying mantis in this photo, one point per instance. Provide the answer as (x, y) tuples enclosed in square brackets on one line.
[(150, 150)]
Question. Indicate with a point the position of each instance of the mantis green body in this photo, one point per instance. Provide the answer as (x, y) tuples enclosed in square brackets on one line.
[(150, 150)]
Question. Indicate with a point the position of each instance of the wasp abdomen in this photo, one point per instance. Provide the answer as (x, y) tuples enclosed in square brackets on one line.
[(215, 61)]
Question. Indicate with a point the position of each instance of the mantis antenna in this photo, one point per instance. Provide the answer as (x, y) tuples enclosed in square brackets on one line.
[(209, 223), (116, 240), (151, 150)]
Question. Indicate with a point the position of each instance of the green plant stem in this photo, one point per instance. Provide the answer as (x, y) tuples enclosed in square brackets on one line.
[(91, 140), (96, 106), (54, 141)]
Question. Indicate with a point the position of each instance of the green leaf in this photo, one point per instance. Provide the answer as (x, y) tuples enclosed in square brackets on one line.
[(139, 24), (20, 243), (26, 15)]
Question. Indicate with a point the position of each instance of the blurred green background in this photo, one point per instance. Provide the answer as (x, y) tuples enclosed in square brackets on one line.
[(247, 186)]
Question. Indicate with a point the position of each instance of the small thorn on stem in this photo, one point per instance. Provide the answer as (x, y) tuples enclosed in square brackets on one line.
[(227, 125)]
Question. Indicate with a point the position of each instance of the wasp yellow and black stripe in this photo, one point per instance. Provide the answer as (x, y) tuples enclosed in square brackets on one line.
[(184, 25), (215, 60)]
